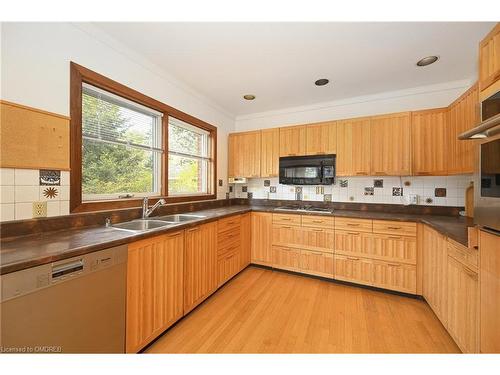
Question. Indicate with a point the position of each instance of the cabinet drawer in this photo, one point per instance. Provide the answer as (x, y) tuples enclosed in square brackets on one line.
[(400, 228), (318, 239), (318, 221), (358, 225), (287, 235), (286, 258), (353, 269), (228, 266), (465, 255), (353, 243), (228, 223), (286, 219), (228, 249), (229, 236), (395, 276), (316, 263), (394, 248)]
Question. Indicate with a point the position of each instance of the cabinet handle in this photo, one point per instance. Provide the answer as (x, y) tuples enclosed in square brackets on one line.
[(174, 234), (352, 258), (423, 173), (291, 154), (393, 264), (193, 229), (362, 173), (317, 221), (316, 252), (383, 173), (352, 225), (287, 227), (393, 227), (353, 233), (317, 230), (286, 218), (394, 237)]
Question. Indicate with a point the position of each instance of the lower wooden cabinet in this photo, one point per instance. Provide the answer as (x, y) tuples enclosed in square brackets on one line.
[(395, 276), (200, 264), (228, 265), (394, 248), (246, 239), (316, 263), (286, 258), (353, 243), (353, 269), (261, 238), (463, 306), (154, 288)]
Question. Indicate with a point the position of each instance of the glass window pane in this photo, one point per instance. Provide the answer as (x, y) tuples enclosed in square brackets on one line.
[(187, 175), (187, 139)]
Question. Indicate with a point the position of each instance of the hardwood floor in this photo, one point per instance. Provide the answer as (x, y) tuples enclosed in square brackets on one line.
[(263, 311)]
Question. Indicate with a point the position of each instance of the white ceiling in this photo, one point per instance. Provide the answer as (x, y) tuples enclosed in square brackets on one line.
[(279, 62)]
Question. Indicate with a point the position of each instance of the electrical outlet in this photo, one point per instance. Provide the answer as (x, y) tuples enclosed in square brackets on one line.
[(39, 209), (413, 198)]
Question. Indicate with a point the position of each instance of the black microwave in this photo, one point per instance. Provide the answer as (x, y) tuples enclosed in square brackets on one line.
[(307, 170)]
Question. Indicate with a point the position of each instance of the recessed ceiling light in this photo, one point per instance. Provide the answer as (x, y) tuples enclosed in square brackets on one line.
[(321, 82), (427, 61), (249, 97)]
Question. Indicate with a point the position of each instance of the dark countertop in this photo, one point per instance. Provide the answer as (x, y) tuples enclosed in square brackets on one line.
[(17, 253)]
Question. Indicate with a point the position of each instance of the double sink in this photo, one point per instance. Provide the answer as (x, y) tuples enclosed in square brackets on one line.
[(147, 224)]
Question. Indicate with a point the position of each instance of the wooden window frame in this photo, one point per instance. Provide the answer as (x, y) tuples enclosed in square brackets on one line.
[(80, 75)]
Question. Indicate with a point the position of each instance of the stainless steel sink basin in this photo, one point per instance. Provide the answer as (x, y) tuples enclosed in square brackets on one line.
[(175, 219), (141, 225)]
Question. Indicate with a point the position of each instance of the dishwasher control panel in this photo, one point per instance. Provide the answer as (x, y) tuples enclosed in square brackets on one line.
[(26, 281)]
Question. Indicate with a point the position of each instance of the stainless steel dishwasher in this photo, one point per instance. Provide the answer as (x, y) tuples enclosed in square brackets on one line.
[(75, 305)]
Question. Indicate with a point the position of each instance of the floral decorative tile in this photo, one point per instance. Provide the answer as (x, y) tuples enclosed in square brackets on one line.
[(272, 189), (50, 192), (378, 183), (50, 177), (343, 183), (369, 190), (244, 189), (397, 191), (327, 198), (267, 183), (298, 189), (249, 195)]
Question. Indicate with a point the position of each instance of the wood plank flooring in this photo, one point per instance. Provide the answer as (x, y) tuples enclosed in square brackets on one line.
[(264, 311)]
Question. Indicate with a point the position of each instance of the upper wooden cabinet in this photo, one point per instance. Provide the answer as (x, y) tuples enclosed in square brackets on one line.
[(428, 134), (244, 154), (270, 153), (390, 144), (463, 115), (353, 147), (489, 58), (321, 138), (292, 140)]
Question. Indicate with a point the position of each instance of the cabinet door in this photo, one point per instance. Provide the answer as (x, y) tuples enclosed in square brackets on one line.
[(489, 58), (244, 154), (316, 263), (286, 258), (428, 133), (319, 239), (353, 243), (434, 271), (321, 138), (353, 269), (270, 153), (246, 245), (395, 248), (287, 235), (293, 140), (395, 276), (154, 288), (353, 147), (261, 238), (390, 144), (200, 264), (463, 115), (463, 304), (228, 265)]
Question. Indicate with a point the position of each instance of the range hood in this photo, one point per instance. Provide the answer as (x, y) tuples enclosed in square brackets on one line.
[(485, 129)]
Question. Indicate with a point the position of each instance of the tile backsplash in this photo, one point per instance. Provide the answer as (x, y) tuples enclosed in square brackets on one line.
[(427, 190), (24, 191)]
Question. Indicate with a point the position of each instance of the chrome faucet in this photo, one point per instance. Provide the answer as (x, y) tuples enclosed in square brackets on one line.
[(146, 211)]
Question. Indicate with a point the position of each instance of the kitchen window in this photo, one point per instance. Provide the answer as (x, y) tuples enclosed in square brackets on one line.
[(126, 146)]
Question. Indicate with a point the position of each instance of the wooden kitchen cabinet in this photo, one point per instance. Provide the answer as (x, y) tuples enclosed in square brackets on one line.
[(228, 264), (270, 153), (292, 140), (319, 239), (321, 138), (401, 249), (435, 258), (353, 147), (200, 264), (244, 154), (286, 258), (395, 276), (390, 144), (429, 146), (316, 263), (489, 58), (463, 305), (228, 248), (246, 239), (463, 114), (154, 288), (261, 238), (353, 243), (287, 235), (354, 269)]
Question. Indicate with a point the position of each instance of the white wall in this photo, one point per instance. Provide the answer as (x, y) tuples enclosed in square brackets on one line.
[(35, 72), (424, 97)]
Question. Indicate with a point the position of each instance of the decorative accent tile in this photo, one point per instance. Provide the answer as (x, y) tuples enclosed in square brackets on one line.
[(244, 189), (231, 189), (50, 192), (428, 200), (298, 189), (369, 190), (397, 191), (327, 198), (49, 177), (249, 195), (320, 190), (351, 198), (343, 183), (267, 183), (378, 183), (440, 192), (39, 209), (272, 189), (221, 182), (227, 195), (407, 183)]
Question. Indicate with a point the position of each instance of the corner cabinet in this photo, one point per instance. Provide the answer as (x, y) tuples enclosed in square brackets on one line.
[(244, 154), (390, 144), (154, 288), (429, 146)]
